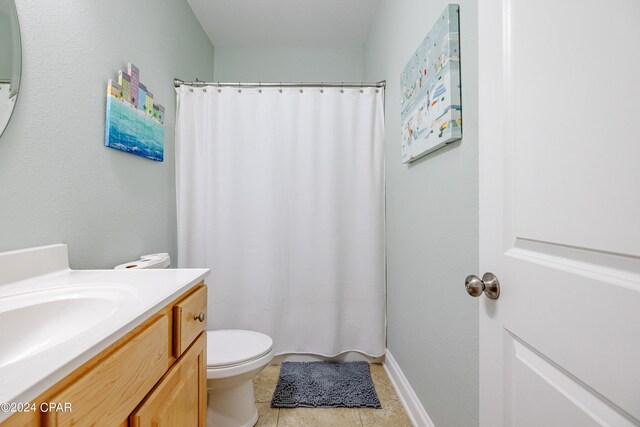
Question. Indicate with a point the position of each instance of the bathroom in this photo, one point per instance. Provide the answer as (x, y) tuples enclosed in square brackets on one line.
[(472, 207)]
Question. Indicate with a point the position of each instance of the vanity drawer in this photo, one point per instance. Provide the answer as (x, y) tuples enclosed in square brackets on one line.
[(111, 390), (189, 319)]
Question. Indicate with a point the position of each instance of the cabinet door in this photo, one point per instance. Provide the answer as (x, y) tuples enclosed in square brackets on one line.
[(180, 398), (23, 419), (108, 392)]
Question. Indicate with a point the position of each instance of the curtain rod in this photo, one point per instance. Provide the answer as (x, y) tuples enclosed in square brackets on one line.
[(178, 83)]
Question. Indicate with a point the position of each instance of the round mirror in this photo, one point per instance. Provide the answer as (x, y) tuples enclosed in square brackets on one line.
[(10, 60)]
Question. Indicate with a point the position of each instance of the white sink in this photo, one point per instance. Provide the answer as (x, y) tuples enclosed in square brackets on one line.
[(54, 319), (36, 321)]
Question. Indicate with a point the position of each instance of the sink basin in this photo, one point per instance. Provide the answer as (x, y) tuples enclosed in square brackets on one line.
[(36, 321)]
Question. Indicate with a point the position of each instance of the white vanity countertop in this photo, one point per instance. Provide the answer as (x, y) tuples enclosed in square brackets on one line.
[(43, 274)]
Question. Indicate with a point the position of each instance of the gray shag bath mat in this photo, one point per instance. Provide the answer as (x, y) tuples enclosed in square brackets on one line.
[(325, 385)]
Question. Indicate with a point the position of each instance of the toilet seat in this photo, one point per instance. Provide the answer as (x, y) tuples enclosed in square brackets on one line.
[(233, 347)]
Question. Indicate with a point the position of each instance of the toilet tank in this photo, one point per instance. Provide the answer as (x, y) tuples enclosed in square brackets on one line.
[(160, 260)]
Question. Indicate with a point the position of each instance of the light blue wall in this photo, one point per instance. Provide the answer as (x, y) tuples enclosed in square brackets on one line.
[(6, 51), (432, 223), (287, 64), (58, 183)]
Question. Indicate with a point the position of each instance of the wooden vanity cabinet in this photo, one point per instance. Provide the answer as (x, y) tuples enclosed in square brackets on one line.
[(153, 376)]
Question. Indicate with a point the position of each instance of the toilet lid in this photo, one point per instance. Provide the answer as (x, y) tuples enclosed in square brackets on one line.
[(232, 347)]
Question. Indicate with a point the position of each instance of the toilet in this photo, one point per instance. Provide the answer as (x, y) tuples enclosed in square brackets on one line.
[(234, 357)]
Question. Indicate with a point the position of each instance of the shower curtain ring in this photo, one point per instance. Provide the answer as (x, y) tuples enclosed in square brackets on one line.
[(341, 87)]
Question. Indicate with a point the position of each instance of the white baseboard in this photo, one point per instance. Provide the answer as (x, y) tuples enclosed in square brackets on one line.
[(350, 356), (410, 401)]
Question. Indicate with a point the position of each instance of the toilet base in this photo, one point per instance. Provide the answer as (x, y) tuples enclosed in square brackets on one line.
[(232, 406)]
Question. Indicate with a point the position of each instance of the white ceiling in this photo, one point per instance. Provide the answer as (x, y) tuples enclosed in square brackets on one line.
[(285, 23)]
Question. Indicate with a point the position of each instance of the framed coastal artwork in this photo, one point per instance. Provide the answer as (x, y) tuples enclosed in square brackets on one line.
[(134, 122), (430, 113)]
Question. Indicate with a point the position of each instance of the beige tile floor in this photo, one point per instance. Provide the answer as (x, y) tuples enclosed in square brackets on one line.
[(392, 413)]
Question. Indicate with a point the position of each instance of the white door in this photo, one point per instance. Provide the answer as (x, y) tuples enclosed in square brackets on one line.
[(560, 212)]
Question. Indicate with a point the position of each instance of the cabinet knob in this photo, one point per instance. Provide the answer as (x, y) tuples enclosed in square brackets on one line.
[(199, 317)]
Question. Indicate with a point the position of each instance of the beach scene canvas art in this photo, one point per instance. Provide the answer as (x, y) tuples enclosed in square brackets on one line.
[(134, 123), (431, 114)]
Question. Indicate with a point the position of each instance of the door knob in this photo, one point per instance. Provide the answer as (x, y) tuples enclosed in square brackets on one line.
[(488, 284)]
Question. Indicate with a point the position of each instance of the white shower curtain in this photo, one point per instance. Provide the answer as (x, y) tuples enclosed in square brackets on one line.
[(281, 193)]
